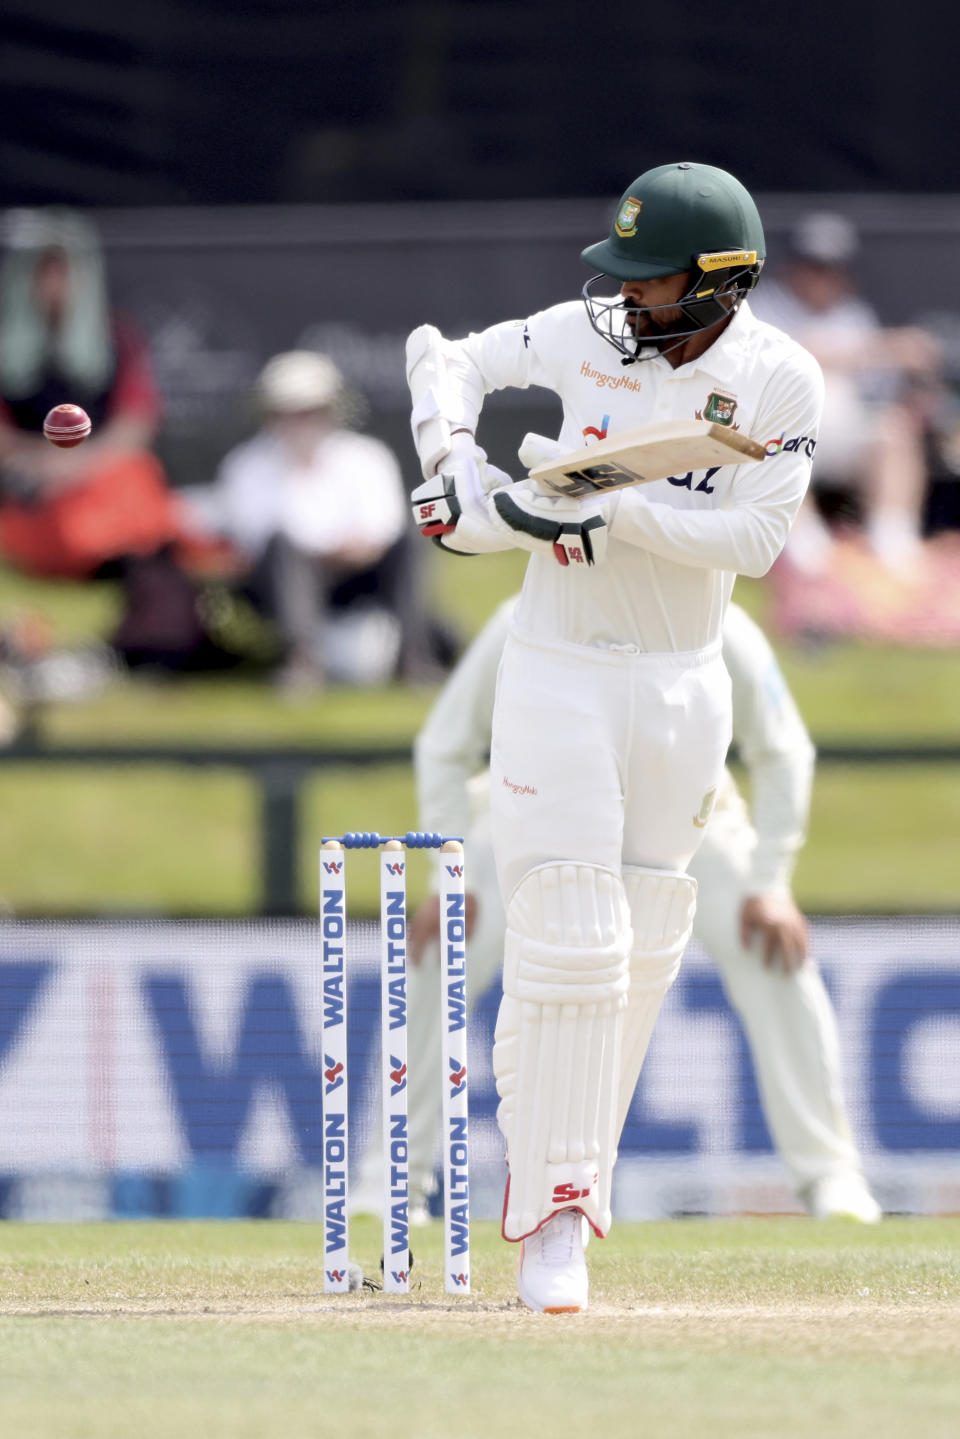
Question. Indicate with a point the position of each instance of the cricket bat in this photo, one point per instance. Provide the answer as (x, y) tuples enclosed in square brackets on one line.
[(650, 452)]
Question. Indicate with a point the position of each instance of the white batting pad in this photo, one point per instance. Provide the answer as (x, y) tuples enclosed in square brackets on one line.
[(662, 905), (556, 1053)]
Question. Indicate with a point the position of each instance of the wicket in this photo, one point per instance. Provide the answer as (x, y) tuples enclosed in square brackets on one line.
[(394, 1058)]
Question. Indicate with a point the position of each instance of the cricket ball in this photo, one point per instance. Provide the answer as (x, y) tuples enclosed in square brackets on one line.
[(66, 426)]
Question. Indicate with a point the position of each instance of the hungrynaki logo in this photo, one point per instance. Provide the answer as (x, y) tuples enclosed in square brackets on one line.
[(626, 221), (603, 381)]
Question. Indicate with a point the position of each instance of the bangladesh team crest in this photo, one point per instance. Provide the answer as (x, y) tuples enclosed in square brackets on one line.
[(720, 409), (626, 221)]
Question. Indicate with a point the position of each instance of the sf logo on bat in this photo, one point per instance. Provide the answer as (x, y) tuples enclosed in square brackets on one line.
[(607, 475)]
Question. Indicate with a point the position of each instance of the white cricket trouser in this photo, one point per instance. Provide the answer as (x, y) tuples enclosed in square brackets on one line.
[(603, 756)]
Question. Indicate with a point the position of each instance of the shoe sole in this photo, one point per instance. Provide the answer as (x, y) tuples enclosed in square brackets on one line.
[(847, 1216), (549, 1308)]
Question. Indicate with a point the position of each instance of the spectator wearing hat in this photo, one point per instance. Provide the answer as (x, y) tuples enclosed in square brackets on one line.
[(318, 516), (880, 390)]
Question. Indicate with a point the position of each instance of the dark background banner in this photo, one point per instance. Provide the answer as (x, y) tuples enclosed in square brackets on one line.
[(201, 101)]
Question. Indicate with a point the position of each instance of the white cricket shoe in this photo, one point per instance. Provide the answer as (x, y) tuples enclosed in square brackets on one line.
[(552, 1278), (843, 1196)]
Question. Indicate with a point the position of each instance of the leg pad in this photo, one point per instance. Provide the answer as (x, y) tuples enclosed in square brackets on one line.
[(557, 1048)]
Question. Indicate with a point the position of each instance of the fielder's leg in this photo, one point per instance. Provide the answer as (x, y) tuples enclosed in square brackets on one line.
[(791, 1029)]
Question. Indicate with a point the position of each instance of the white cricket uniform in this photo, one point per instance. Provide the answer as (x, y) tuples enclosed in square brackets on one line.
[(648, 717), (788, 1018), (611, 726)]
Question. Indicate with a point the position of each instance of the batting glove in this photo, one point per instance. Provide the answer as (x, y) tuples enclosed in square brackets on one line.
[(537, 449), (574, 533), (464, 481)]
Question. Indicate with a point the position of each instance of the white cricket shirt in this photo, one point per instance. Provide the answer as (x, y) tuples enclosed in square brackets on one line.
[(676, 545)]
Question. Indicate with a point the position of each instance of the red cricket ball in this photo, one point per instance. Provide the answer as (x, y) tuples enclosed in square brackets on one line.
[(66, 426)]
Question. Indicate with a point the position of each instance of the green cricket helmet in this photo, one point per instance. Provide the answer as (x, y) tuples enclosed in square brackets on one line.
[(677, 218)]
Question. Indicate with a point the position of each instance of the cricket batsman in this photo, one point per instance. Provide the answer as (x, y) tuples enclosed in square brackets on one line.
[(613, 710), (746, 918)]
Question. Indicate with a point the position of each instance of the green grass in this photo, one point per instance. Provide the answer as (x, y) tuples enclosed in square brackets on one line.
[(186, 842), (762, 1329), (882, 838)]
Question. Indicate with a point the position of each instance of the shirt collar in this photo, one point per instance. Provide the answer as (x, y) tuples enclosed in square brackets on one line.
[(727, 350)]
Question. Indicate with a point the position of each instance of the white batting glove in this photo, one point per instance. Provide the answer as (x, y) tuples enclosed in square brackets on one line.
[(575, 533), (463, 482), (537, 450)]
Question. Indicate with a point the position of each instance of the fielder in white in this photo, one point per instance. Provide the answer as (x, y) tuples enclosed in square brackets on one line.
[(613, 710), (746, 918)]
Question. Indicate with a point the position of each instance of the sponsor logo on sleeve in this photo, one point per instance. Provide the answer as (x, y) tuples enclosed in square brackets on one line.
[(805, 443)]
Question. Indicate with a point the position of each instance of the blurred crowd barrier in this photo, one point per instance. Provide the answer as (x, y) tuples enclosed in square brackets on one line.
[(176, 1069)]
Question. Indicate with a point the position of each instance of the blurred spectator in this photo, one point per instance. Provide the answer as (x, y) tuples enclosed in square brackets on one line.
[(102, 509), (882, 386), (318, 516)]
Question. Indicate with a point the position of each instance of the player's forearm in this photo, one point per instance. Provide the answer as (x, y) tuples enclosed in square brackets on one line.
[(453, 746), (446, 391), (480, 531), (746, 540), (781, 787), (443, 801)]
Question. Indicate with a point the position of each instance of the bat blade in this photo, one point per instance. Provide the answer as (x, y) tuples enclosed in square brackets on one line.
[(650, 452)]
